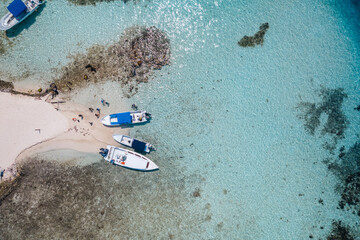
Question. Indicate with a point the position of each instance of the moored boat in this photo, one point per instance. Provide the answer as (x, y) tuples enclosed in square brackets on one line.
[(127, 159), (133, 143), (18, 11), (126, 118)]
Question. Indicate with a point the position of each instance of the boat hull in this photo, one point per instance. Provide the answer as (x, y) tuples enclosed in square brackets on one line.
[(129, 159), (126, 118), (14, 22)]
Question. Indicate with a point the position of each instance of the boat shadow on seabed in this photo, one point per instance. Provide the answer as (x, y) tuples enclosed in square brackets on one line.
[(17, 29)]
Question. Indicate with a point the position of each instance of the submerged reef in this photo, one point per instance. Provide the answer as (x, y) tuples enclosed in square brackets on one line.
[(5, 42), (328, 118), (331, 106), (130, 61), (340, 232), (351, 193), (93, 2), (98, 201), (347, 167), (257, 39)]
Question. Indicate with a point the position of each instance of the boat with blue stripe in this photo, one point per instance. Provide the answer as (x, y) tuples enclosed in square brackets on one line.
[(137, 145), (18, 11), (126, 118)]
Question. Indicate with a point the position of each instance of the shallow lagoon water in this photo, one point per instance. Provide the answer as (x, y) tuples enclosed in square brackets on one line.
[(236, 160)]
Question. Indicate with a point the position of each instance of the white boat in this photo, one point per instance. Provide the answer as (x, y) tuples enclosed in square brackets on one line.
[(18, 11), (127, 159), (133, 143), (125, 118)]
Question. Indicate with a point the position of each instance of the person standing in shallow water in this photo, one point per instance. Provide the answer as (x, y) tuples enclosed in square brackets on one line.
[(1, 173), (103, 102)]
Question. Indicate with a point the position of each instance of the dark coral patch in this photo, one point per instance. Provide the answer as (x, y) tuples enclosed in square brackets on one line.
[(130, 61), (347, 168), (351, 192), (340, 232), (331, 106), (257, 39)]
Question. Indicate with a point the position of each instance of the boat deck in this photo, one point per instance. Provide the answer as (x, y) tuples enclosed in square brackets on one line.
[(126, 140), (129, 159), (138, 117)]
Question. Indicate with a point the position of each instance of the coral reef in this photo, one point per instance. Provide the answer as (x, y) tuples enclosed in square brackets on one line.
[(346, 164), (351, 193), (339, 232), (257, 39), (347, 168), (331, 105), (130, 61), (62, 201)]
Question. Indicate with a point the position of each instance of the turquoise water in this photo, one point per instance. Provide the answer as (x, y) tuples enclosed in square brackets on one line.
[(226, 120)]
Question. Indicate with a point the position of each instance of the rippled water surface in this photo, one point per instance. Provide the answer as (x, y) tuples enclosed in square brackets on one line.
[(252, 142)]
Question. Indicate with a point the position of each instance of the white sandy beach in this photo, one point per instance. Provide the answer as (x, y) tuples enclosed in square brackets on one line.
[(29, 126)]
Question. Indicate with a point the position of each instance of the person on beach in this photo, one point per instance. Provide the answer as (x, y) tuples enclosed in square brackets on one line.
[(91, 109), (91, 123), (98, 109), (81, 116), (97, 115)]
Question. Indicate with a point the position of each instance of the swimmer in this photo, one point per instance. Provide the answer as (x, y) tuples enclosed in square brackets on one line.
[(134, 107)]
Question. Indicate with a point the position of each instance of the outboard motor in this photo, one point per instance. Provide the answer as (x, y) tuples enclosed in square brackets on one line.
[(103, 152)]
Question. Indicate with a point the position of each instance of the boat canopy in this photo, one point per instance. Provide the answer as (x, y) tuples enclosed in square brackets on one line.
[(17, 7), (122, 118), (138, 145)]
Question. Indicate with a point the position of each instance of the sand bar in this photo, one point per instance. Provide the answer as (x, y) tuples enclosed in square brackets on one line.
[(30, 125)]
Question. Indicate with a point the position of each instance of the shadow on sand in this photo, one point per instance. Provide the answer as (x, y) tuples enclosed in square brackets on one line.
[(17, 29)]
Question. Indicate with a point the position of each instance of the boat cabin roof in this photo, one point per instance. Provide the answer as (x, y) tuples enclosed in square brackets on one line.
[(138, 145), (122, 118), (17, 7)]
